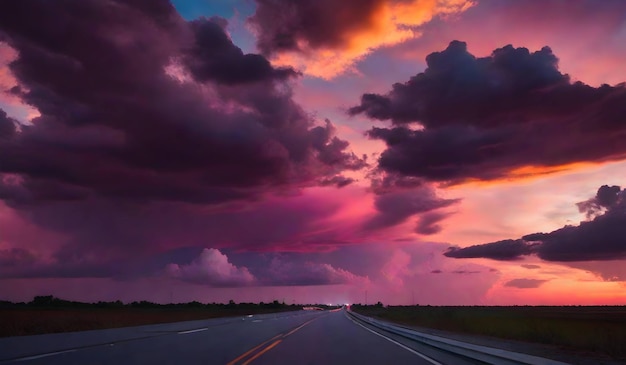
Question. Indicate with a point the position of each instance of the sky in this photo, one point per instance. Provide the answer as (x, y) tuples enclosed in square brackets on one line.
[(442, 152)]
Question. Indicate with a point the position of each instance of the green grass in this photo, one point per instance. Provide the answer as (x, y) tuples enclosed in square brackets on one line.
[(600, 330)]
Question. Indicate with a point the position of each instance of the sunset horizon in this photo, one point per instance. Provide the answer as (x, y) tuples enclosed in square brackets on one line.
[(444, 152)]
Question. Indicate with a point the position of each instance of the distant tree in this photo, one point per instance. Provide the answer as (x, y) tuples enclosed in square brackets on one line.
[(43, 300)]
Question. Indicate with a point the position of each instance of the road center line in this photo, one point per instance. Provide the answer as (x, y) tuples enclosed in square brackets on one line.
[(193, 331), (252, 350), (430, 360), (262, 352), (43, 355), (277, 339)]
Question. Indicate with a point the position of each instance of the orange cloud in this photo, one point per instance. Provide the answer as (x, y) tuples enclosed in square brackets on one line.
[(391, 23), (9, 102)]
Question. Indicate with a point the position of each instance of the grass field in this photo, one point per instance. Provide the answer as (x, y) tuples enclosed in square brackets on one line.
[(31, 321), (600, 330)]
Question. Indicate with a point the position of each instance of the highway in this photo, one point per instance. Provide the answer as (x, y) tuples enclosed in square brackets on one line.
[(304, 337)]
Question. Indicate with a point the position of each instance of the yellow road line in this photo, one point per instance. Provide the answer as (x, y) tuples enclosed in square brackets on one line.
[(275, 343), (262, 352), (252, 350)]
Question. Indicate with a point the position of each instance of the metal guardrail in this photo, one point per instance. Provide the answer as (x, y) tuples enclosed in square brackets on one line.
[(486, 354)]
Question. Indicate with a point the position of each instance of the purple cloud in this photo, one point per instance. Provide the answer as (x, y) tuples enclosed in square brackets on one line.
[(602, 238), (283, 272), (211, 268), (16, 257), (428, 223), (115, 123), (7, 126), (483, 118), (396, 207), (154, 133), (501, 250), (213, 56), (525, 283)]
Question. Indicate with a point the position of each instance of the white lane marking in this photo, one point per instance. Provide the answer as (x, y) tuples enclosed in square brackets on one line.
[(257, 320), (192, 331), (430, 360), (42, 355)]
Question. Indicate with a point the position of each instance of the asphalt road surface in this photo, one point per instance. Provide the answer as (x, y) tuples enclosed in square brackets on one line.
[(304, 337)]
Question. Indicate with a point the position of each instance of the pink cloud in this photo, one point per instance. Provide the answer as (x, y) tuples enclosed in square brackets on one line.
[(282, 272), (211, 268), (9, 102), (341, 33), (586, 35)]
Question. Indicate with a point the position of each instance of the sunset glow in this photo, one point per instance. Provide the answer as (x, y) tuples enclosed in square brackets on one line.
[(423, 152)]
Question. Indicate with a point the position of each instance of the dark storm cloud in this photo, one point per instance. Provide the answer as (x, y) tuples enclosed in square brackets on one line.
[(385, 182), (338, 181), (16, 257), (428, 223), (215, 268), (457, 87), (211, 268), (115, 125), (465, 272), (155, 133), (396, 207), (283, 25), (7, 125), (606, 197), (501, 250), (482, 118), (281, 273), (214, 57), (525, 283), (602, 238)]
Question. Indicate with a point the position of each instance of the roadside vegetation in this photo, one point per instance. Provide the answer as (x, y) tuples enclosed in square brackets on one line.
[(47, 314), (591, 329)]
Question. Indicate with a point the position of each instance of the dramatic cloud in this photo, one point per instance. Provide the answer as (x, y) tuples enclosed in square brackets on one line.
[(501, 250), (428, 223), (396, 207), (597, 28), (326, 37), (602, 238), (507, 115), (283, 272), (338, 181), (530, 266), (525, 283), (15, 257), (465, 272), (7, 126), (146, 106), (152, 134), (214, 57), (606, 198), (211, 268)]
